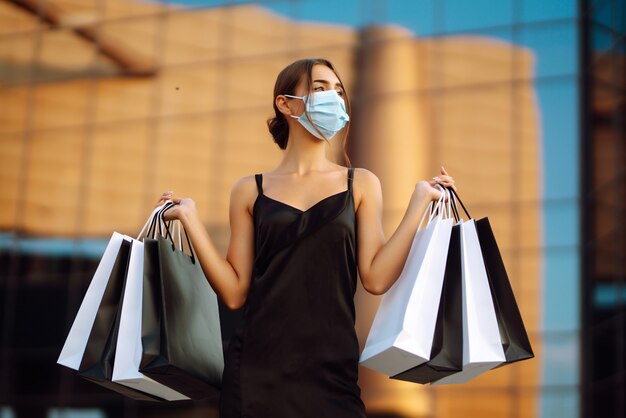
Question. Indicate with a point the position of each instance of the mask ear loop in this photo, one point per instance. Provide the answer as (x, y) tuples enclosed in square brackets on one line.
[(295, 97), (303, 98), (306, 99)]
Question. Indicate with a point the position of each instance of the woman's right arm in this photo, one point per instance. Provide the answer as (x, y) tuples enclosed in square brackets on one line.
[(230, 277)]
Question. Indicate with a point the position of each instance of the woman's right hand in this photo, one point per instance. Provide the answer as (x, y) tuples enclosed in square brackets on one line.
[(165, 197), (182, 206)]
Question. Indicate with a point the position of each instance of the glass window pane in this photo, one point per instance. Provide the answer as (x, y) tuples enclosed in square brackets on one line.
[(183, 45), (554, 47), (602, 39), (124, 9), (459, 15), (346, 12), (561, 294), (541, 10), (478, 58), (62, 104), (15, 19), (460, 400), (558, 107), (12, 149), (17, 57), (603, 13), (560, 401), (418, 16), (14, 115)]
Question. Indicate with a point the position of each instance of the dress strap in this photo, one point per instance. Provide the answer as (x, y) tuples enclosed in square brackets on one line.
[(350, 174), (259, 182)]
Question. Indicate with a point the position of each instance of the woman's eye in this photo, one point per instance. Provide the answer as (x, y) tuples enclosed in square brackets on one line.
[(340, 93), (319, 88)]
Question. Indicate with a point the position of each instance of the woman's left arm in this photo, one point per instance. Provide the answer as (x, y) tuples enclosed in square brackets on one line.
[(381, 260)]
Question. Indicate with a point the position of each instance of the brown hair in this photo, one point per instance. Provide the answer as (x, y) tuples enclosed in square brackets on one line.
[(286, 83)]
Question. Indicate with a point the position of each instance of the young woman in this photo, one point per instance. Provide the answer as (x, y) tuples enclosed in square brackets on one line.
[(293, 257)]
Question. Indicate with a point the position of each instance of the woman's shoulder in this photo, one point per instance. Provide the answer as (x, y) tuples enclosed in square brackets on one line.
[(244, 183), (365, 178), (366, 186), (244, 190)]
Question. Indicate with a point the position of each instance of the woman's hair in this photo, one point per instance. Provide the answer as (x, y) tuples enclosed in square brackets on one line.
[(286, 83)]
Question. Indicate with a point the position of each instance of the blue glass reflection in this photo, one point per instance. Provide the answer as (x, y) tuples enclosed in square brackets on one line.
[(75, 413), (460, 15), (555, 47), (603, 39), (346, 12), (91, 248), (603, 13), (418, 16), (561, 292), (558, 104), (542, 10), (6, 412), (609, 295)]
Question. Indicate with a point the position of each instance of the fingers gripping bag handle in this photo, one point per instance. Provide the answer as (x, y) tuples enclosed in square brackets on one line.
[(155, 217), (148, 227), (168, 235), (433, 209)]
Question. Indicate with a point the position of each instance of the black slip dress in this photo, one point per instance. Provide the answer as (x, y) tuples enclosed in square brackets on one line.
[(295, 354)]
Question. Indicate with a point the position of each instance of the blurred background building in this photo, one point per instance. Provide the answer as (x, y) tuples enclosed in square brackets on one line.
[(104, 104)]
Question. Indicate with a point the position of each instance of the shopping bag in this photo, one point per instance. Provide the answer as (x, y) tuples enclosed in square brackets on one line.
[(181, 336), (401, 335), (97, 360), (76, 341), (512, 331), (128, 346), (446, 356), (482, 347), (91, 345)]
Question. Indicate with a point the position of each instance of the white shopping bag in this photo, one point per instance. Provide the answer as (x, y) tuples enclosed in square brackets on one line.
[(402, 333), (124, 370), (76, 341), (128, 350), (482, 347)]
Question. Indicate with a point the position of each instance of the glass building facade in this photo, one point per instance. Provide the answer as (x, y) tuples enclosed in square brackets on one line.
[(106, 103), (603, 112)]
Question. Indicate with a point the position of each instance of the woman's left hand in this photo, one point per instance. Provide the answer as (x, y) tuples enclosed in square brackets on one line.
[(443, 179), (427, 188)]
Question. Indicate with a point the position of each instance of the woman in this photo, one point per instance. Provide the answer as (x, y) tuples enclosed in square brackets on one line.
[(293, 257)]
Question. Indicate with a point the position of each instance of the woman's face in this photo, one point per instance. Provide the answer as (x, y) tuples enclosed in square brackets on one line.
[(323, 78)]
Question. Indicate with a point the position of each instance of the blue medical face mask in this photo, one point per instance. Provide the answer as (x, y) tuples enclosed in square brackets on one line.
[(327, 111)]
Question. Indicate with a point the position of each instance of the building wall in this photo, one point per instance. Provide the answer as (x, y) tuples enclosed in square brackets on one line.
[(108, 104)]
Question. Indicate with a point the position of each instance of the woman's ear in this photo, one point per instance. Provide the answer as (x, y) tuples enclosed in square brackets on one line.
[(283, 105)]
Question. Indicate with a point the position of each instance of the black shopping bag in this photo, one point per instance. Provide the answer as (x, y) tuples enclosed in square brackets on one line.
[(513, 334), (447, 352), (512, 331), (97, 362), (181, 337)]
